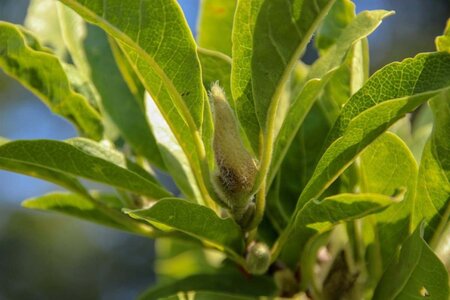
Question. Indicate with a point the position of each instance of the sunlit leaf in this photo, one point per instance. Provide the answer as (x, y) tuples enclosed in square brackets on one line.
[(166, 61), (443, 41), (364, 118), (55, 158), (319, 216), (74, 205), (388, 167), (268, 38), (323, 69), (340, 15), (432, 201), (195, 220), (215, 25), (22, 57)]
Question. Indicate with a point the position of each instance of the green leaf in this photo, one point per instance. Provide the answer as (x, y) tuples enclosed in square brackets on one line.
[(417, 273), (324, 69), (342, 207), (215, 25), (363, 25), (232, 283), (294, 119), (387, 167), (268, 39), (340, 15), (275, 207), (346, 80), (172, 153), (30, 169), (106, 152), (165, 59), (308, 262), (199, 295), (433, 186), (216, 67), (415, 131), (55, 158), (117, 100), (373, 109), (195, 220), (22, 57), (319, 216), (128, 74), (74, 31), (66, 181), (42, 20), (443, 41), (299, 143), (368, 114), (76, 206), (361, 132), (175, 259), (413, 76), (103, 209), (141, 30)]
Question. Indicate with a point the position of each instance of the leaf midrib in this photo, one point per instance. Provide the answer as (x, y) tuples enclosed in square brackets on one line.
[(72, 174), (176, 97)]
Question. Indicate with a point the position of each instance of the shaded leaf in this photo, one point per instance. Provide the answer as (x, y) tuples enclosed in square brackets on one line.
[(232, 283), (417, 273), (117, 99), (22, 57), (206, 296)]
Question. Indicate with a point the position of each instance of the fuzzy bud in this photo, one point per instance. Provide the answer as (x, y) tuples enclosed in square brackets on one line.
[(236, 169), (258, 259)]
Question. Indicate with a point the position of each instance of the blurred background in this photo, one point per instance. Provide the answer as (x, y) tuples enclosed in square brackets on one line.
[(47, 256)]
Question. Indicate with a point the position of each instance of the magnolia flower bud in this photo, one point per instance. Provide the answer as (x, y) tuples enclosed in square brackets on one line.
[(258, 259), (236, 169)]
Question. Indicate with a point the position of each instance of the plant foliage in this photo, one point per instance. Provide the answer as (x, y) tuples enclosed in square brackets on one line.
[(290, 172)]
